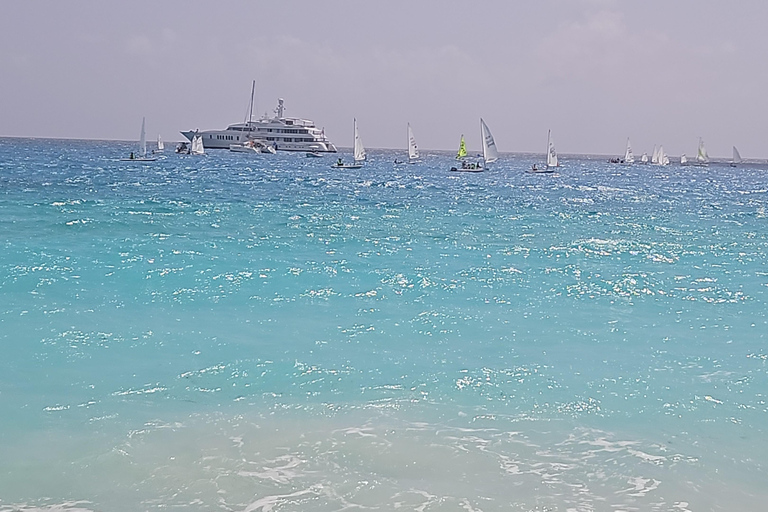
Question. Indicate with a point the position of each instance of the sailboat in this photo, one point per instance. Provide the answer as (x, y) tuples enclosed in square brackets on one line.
[(462, 153), (359, 153), (160, 145), (683, 159), (142, 154), (551, 157), (629, 157), (663, 158), (702, 158), (655, 156), (197, 146), (736, 157), (490, 153), (413, 149), (644, 158)]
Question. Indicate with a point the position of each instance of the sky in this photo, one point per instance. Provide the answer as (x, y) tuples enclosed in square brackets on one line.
[(595, 72)]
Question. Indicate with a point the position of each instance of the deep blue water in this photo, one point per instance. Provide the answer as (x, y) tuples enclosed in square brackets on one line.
[(267, 333)]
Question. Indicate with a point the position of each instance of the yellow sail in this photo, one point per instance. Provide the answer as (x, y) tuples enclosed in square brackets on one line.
[(462, 149)]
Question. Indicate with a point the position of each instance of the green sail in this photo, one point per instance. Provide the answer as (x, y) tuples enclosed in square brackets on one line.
[(462, 149)]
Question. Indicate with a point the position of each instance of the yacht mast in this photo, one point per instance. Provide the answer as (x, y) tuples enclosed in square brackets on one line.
[(250, 108)]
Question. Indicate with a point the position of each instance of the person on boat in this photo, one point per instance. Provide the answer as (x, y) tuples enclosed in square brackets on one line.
[(533, 168), (132, 156), (339, 162)]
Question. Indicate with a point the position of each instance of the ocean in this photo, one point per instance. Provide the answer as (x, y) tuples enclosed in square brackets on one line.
[(267, 334)]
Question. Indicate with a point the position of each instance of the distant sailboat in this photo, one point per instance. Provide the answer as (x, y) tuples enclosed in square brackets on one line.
[(736, 157), (142, 153), (490, 153), (196, 147), (160, 144), (683, 159), (629, 157), (644, 158), (655, 156), (702, 158), (551, 153), (413, 149), (462, 153), (358, 152), (663, 158)]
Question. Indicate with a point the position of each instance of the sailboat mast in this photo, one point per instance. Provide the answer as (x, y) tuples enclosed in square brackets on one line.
[(250, 108)]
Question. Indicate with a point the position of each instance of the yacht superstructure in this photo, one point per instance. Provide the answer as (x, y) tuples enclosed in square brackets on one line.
[(282, 133)]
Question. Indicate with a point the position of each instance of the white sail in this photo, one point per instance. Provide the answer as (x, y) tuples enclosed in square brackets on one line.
[(197, 146), (359, 149), (702, 156), (629, 157), (663, 158), (160, 144), (655, 156), (490, 153), (143, 140), (683, 159), (644, 158), (736, 156), (413, 150), (551, 153)]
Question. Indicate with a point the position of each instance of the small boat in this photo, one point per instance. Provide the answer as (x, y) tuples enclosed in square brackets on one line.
[(314, 154), (683, 159), (197, 146), (359, 153), (663, 158), (655, 156), (182, 148), (644, 158), (465, 166), (629, 157), (702, 158), (490, 153), (413, 149), (252, 146), (552, 161), (462, 153), (160, 146), (142, 153), (736, 157)]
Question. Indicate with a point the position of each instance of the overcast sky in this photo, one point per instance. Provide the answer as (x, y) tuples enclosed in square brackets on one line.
[(594, 71)]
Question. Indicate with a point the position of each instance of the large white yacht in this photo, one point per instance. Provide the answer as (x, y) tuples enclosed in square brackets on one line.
[(282, 133)]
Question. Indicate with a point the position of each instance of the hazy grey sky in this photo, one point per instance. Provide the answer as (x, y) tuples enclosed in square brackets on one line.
[(594, 71)]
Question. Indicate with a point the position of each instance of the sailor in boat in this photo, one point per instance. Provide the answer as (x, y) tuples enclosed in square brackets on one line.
[(182, 148), (132, 156), (534, 168)]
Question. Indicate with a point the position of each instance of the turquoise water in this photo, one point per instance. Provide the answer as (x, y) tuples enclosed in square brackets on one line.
[(269, 334)]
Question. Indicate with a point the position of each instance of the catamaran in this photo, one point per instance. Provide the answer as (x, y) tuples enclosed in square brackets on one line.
[(736, 157), (359, 153), (142, 153), (413, 149), (490, 153), (702, 158)]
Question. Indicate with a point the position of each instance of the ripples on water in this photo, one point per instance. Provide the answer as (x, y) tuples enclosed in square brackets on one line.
[(270, 334)]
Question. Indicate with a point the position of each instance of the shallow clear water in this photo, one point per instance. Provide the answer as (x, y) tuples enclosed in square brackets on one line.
[(269, 334)]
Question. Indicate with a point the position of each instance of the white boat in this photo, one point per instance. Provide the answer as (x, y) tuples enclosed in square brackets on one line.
[(490, 153), (284, 133), (252, 146), (413, 149), (629, 157), (358, 152), (663, 158), (655, 156), (736, 157), (702, 158), (142, 153), (683, 159), (160, 145), (314, 154), (196, 147), (552, 161), (644, 158)]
